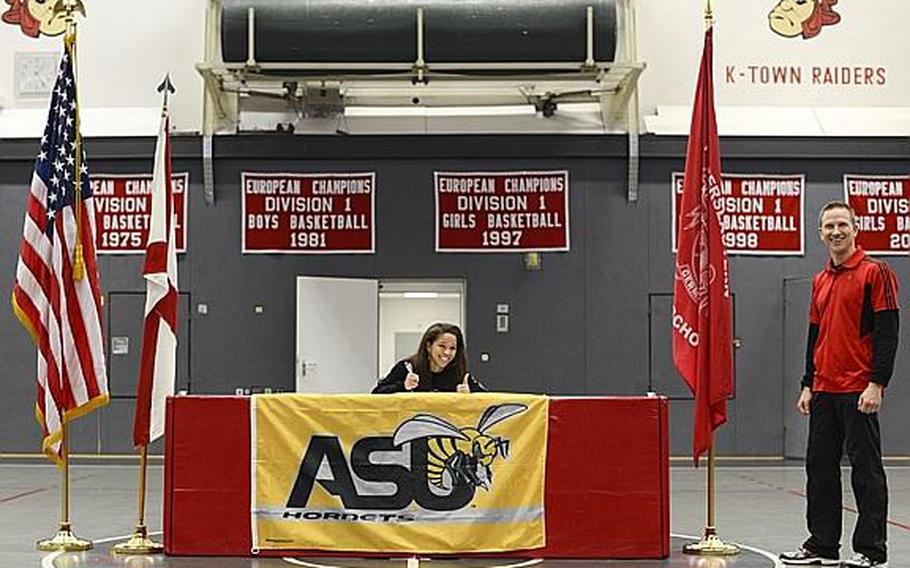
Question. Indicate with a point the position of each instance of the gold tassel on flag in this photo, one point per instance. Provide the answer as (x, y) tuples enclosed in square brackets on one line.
[(78, 256)]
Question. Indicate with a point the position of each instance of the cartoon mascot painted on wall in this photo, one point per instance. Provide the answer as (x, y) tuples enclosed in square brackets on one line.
[(37, 17), (806, 18)]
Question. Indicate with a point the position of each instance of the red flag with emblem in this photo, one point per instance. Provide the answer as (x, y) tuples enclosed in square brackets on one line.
[(702, 312)]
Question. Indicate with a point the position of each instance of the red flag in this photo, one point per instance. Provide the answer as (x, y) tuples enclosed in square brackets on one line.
[(158, 364), (702, 314), (57, 295)]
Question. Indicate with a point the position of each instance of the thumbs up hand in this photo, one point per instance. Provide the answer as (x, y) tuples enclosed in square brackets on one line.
[(463, 386), (413, 379)]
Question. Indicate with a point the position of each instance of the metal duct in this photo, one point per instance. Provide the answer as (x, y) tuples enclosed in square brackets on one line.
[(385, 31)]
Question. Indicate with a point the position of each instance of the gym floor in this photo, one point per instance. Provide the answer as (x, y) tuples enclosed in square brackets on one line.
[(759, 507)]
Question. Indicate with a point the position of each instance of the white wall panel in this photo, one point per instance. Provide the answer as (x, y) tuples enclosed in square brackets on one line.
[(125, 47)]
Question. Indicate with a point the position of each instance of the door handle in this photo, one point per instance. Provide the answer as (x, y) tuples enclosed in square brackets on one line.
[(303, 365)]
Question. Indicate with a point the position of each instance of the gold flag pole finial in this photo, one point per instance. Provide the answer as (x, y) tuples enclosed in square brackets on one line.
[(709, 15)]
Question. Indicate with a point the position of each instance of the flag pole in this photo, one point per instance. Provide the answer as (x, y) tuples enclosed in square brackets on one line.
[(140, 543), (710, 544), (64, 540)]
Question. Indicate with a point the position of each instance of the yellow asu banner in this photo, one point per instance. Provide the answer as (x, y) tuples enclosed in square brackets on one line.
[(430, 473)]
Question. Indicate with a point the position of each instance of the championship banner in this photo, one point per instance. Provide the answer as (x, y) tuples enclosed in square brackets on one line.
[(761, 214), (882, 212), (502, 211), (296, 213), (123, 207), (431, 473)]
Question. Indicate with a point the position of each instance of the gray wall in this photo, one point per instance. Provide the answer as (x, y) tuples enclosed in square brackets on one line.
[(593, 321)]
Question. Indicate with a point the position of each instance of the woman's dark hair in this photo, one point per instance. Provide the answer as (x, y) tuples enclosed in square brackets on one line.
[(421, 360)]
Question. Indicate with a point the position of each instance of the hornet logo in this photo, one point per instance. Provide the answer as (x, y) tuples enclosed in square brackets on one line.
[(459, 456), (428, 461)]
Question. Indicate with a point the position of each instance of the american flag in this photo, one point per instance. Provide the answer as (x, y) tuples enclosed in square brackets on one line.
[(60, 309)]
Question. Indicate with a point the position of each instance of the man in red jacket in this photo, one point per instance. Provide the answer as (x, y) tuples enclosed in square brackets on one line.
[(853, 332)]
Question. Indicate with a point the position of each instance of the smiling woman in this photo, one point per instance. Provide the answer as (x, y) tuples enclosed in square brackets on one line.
[(440, 364)]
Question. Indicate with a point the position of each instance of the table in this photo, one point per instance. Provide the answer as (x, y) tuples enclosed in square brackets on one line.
[(606, 489)]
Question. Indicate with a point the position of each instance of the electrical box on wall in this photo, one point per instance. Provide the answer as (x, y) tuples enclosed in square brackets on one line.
[(502, 318)]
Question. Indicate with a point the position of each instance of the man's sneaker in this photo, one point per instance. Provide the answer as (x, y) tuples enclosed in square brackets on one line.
[(803, 557), (863, 561)]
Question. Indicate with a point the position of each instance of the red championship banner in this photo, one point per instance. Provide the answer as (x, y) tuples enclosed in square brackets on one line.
[(308, 213), (882, 205), (761, 214), (123, 208), (502, 211)]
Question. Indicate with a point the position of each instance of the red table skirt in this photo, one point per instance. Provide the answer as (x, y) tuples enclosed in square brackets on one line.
[(607, 484)]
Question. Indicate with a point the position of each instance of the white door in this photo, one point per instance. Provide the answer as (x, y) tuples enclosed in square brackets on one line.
[(408, 307), (337, 334)]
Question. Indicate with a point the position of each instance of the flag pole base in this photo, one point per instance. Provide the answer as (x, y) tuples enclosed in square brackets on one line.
[(711, 545), (64, 540), (139, 543)]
